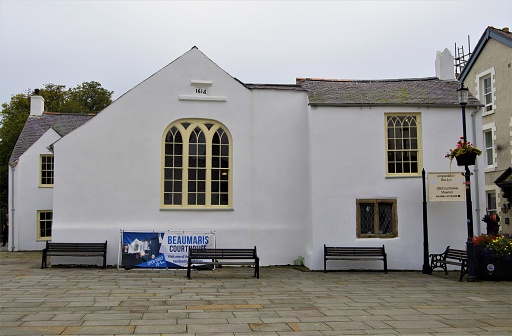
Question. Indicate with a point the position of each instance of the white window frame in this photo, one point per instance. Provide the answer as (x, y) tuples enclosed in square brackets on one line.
[(40, 222), (394, 151), (480, 89), (489, 193), (224, 173), (489, 128)]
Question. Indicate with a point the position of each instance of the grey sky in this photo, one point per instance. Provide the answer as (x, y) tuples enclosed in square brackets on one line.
[(121, 43)]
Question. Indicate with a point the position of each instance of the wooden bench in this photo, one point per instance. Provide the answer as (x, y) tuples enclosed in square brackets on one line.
[(355, 253), (214, 256), (75, 250), (450, 257)]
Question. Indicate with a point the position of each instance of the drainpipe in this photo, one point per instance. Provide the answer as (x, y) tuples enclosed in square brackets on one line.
[(11, 215), (476, 170)]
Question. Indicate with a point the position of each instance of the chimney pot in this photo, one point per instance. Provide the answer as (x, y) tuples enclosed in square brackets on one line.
[(36, 92)]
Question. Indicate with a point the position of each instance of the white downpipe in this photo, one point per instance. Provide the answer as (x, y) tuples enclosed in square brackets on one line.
[(476, 170), (11, 235)]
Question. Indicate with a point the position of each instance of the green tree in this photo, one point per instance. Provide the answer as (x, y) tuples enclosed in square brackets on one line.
[(89, 97)]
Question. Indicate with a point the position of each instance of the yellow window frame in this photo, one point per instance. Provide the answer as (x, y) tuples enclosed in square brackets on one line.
[(186, 128), (40, 222), (44, 171), (393, 151)]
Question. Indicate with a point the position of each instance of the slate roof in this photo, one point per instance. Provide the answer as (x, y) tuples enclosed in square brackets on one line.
[(429, 91), (36, 126)]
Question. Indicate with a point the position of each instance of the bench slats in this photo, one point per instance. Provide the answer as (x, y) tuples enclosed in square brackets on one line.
[(227, 256), (355, 253), (450, 257), (75, 250)]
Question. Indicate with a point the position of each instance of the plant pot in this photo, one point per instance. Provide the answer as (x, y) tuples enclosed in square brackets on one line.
[(495, 268), (467, 159)]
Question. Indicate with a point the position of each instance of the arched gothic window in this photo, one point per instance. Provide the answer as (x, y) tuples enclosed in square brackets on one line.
[(403, 144), (196, 165)]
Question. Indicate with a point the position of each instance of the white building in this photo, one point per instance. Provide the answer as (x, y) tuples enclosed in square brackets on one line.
[(286, 168)]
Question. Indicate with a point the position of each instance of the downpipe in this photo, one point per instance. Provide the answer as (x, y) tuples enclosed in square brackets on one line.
[(11, 215), (476, 170)]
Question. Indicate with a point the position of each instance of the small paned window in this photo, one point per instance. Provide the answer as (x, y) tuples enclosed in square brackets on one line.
[(46, 170), (487, 93), (44, 224), (377, 218), (196, 165), (491, 202), (489, 147), (403, 144)]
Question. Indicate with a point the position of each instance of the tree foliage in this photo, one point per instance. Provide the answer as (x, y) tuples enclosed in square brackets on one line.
[(88, 97)]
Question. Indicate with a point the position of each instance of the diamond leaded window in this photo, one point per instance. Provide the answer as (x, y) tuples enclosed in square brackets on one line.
[(377, 218)]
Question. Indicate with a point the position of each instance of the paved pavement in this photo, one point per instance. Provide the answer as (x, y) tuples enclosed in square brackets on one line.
[(285, 301)]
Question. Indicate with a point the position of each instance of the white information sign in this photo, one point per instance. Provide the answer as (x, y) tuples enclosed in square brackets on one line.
[(443, 187)]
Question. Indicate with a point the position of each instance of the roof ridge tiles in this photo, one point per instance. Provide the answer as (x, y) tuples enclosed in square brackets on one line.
[(69, 113), (368, 80)]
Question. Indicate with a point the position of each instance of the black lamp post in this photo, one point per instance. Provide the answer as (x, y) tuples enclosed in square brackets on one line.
[(463, 93)]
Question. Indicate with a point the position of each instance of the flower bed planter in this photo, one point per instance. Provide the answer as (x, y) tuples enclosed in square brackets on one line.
[(495, 268), (468, 159)]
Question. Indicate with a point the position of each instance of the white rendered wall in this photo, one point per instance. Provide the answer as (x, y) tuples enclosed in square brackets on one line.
[(29, 197), (348, 162), (117, 156)]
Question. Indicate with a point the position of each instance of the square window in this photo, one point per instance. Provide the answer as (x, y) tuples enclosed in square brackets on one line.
[(377, 218)]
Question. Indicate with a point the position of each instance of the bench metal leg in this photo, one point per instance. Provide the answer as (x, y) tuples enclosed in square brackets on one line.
[(188, 269), (463, 270), (257, 269), (43, 261)]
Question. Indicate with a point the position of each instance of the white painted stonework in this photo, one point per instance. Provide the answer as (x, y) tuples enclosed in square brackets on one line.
[(29, 197), (297, 171)]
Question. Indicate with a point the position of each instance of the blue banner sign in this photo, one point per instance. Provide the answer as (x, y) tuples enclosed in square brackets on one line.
[(160, 249)]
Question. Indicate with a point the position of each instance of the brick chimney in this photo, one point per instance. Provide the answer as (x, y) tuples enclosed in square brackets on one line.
[(36, 103)]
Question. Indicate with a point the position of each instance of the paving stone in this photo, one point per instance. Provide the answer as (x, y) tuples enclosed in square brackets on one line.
[(98, 330), (230, 302), (216, 328)]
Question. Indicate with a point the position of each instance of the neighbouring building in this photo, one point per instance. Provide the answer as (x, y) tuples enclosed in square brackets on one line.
[(286, 168), (488, 76)]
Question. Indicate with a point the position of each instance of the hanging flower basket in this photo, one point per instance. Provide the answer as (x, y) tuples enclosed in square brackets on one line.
[(465, 153), (468, 159)]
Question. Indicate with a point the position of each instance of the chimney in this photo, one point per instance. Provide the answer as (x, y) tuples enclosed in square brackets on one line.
[(444, 65), (36, 103), (505, 29)]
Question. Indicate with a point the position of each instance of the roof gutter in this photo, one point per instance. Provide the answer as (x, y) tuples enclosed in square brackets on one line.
[(389, 105)]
